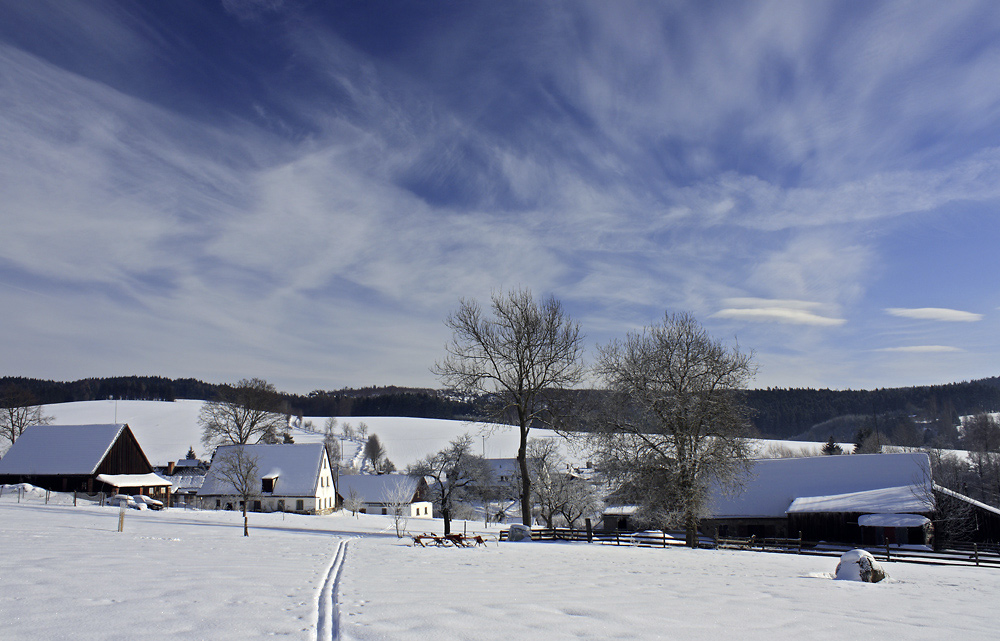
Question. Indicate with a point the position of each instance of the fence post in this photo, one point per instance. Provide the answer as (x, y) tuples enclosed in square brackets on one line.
[(975, 550), (590, 531), (121, 518), (618, 537), (74, 498), (800, 542), (887, 550)]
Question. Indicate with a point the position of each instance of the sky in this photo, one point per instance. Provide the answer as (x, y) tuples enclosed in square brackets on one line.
[(302, 191)]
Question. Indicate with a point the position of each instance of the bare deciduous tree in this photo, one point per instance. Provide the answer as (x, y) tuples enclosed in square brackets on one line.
[(557, 491), (398, 500), (238, 467), (455, 470), (19, 410), (374, 453), (519, 355), (675, 422), (353, 502), (332, 442), (244, 413)]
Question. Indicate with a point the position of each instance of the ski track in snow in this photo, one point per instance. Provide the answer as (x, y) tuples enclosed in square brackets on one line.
[(327, 614)]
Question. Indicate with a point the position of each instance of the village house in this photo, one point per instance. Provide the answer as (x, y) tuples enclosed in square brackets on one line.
[(378, 493), (291, 478), (83, 458)]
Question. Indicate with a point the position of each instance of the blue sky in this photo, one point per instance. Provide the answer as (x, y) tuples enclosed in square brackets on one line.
[(302, 190)]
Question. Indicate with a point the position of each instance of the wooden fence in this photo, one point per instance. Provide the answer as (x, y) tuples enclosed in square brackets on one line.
[(979, 555)]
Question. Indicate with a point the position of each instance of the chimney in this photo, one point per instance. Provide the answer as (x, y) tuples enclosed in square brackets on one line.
[(170, 468)]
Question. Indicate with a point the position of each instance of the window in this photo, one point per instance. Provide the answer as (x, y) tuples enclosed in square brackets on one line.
[(299, 505), (256, 506), (281, 505), (267, 485)]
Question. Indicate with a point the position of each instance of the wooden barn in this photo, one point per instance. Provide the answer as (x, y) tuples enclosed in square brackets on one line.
[(866, 498), (83, 458)]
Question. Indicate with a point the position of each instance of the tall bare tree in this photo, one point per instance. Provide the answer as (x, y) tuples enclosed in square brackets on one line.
[(19, 410), (454, 471), (675, 422), (521, 355), (238, 467), (244, 413)]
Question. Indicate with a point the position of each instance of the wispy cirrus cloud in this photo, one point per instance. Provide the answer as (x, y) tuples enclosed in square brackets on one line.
[(921, 349), (935, 314), (777, 311)]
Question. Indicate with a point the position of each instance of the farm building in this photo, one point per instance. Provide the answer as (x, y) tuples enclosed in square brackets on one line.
[(83, 458), (377, 493), (290, 478), (868, 498)]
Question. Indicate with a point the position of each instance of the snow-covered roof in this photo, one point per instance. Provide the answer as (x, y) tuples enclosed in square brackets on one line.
[(885, 500), (966, 499), (60, 449), (376, 488), (296, 468), (892, 520), (775, 483), (134, 480)]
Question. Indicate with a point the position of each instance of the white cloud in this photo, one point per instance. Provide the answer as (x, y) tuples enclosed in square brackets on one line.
[(921, 349), (936, 314), (788, 315)]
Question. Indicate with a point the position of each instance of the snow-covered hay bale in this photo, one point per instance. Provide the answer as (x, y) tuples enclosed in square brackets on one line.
[(519, 532), (859, 565)]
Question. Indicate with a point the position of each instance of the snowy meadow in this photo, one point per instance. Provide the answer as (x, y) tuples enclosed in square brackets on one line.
[(66, 572)]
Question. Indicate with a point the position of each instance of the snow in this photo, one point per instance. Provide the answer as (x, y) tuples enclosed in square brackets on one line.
[(60, 449), (133, 480), (297, 468), (907, 498), (892, 520), (191, 574), (775, 483)]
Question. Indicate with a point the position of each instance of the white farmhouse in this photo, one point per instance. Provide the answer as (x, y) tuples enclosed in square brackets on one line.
[(292, 478), (378, 493)]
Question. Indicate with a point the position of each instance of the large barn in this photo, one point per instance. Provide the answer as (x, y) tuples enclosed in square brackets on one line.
[(866, 498), (83, 458)]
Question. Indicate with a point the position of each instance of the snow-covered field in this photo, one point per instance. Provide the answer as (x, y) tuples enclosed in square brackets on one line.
[(66, 572)]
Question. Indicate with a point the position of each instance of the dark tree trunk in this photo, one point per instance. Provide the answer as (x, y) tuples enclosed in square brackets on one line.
[(446, 514), (522, 462)]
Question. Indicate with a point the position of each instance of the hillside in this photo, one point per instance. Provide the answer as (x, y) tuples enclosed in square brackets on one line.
[(917, 415)]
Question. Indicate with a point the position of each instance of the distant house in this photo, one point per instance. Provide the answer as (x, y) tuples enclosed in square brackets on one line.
[(187, 477), (292, 478), (378, 492), (868, 498), (83, 458)]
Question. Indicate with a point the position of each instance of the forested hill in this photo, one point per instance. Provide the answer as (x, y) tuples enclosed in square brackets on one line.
[(778, 413), (367, 401), (817, 414)]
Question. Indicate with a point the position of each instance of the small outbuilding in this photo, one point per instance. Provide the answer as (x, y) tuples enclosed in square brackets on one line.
[(378, 493)]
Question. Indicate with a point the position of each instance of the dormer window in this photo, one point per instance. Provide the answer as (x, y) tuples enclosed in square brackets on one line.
[(267, 483)]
